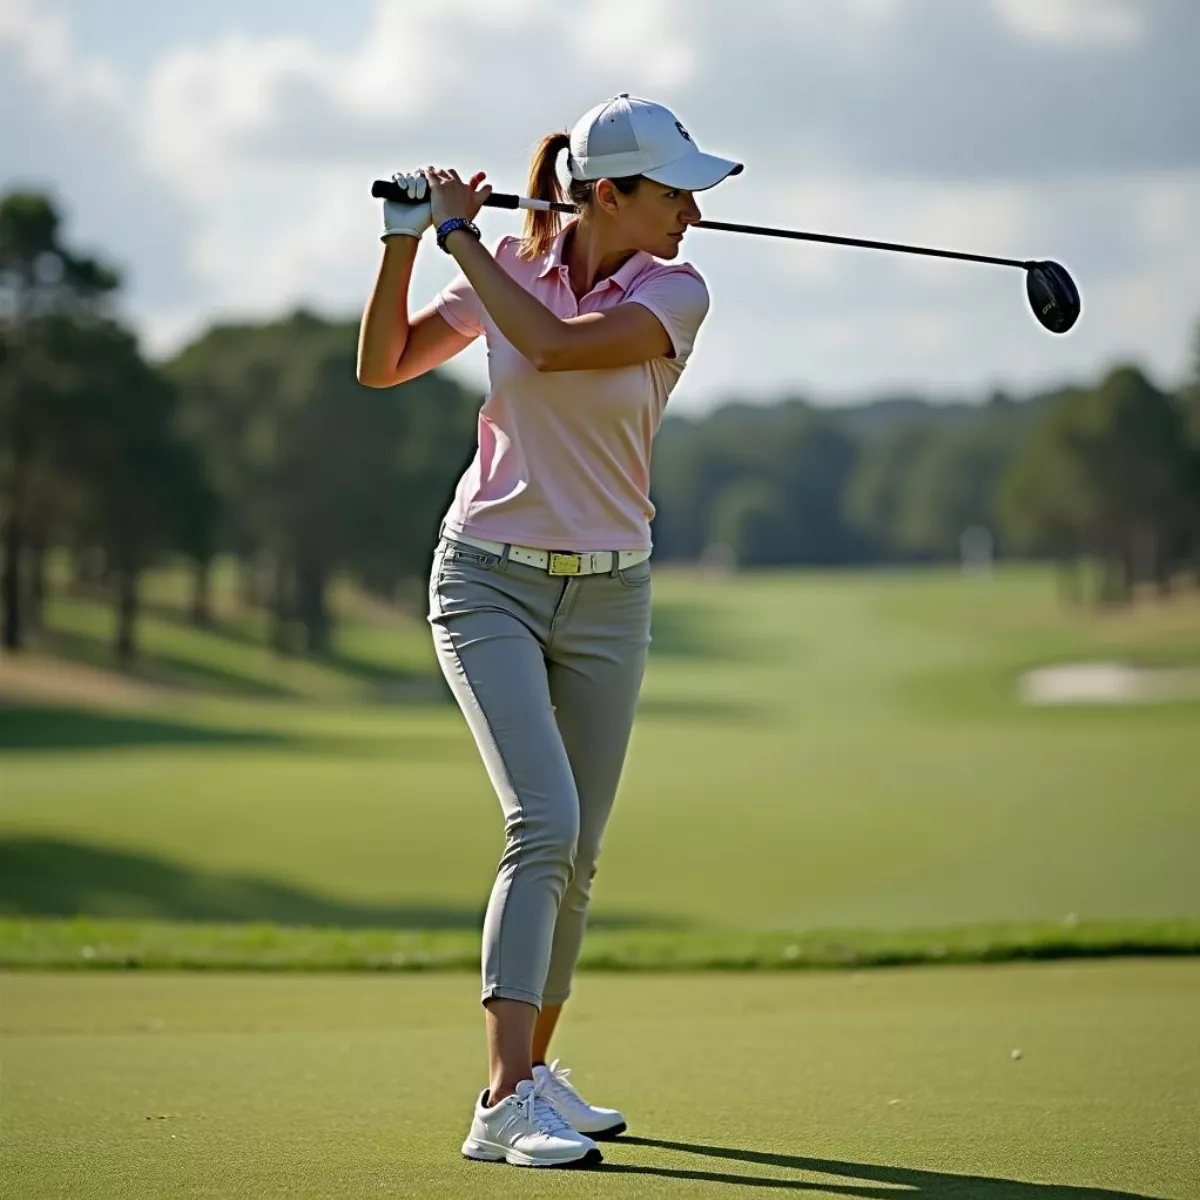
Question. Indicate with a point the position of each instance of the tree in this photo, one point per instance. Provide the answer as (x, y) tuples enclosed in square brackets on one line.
[(951, 486), (1044, 505), (693, 462), (720, 474), (810, 460), (314, 470), (41, 280), (1191, 393), (876, 491), (1190, 407), (143, 491), (1104, 474), (747, 519)]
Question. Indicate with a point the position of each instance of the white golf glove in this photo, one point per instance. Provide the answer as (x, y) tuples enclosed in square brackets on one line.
[(409, 219)]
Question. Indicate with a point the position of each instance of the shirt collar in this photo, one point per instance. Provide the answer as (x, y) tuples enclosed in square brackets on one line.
[(622, 277)]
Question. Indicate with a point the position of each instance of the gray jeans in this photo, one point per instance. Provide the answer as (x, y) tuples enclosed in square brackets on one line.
[(547, 671)]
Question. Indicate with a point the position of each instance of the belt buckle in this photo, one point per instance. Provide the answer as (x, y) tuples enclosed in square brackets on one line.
[(565, 564)]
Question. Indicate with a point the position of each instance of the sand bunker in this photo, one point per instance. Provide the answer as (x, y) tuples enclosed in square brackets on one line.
[(1109, 683)]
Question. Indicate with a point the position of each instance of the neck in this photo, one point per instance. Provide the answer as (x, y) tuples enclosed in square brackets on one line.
[(591, 256)]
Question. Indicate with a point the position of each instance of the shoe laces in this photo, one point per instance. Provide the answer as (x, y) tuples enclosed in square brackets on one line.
[(541, 1111), (558, 1079)]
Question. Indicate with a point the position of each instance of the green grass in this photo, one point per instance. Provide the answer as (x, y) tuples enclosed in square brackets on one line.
[(89, 943), (830, 771), (861, 1085), (376, 654), (814, 752)]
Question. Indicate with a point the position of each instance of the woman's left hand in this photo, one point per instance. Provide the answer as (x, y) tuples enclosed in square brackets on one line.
[(451, 197)]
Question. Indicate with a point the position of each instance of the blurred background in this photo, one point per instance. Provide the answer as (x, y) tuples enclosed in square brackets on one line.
[(927, 630)]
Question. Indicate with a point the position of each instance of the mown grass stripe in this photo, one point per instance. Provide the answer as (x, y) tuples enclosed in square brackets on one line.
[(94, 944)]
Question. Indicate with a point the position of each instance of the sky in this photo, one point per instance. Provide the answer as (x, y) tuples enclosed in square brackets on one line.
[(220, 154)]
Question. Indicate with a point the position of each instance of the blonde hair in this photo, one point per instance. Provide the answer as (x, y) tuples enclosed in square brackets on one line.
[(541, 228)]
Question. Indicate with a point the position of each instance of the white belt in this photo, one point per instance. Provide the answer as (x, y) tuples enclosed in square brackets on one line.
[(597, 562)]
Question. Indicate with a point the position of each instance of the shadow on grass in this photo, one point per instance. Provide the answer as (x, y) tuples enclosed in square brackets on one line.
[(49, 878), (246, 631), (704, 632), (687, 630), (50, 728), (390, 684), (928, 1185), (167, 669)]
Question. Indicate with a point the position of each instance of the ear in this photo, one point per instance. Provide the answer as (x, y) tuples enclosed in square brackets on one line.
[(605, 196)]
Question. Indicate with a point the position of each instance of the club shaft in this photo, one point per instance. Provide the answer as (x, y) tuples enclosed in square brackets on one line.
[(833, 239), (508, 200)]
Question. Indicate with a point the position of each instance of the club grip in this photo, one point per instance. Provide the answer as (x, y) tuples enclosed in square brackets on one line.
[(387, 189)]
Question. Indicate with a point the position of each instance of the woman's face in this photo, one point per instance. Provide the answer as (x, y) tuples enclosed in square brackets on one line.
[(655, 217)]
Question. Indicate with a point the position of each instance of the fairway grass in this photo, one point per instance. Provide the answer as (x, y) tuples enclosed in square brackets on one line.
[(98, 945), (839, 763), (846, 1084)]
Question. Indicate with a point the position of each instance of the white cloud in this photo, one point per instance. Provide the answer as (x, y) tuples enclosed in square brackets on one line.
[(273, 143), (201, 101), (648, 41), (837, 315), (75, 137), (43, 41), (234, 178), (1075, 22)]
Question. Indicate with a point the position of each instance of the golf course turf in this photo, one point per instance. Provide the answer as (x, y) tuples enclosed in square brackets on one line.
[(855, 1084), (267, 877), (814, 752)]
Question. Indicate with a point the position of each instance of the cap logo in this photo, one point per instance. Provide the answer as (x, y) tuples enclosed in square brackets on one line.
[(679, 126)]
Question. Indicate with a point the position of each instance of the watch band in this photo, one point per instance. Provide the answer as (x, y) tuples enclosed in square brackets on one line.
[(448, 227)]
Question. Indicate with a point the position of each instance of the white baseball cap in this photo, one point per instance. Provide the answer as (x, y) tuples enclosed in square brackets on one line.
[(626, 136)]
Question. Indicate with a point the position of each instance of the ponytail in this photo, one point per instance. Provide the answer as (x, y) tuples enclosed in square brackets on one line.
[(541, 228)]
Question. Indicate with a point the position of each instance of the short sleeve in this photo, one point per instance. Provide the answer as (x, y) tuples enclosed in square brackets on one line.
[(459, 305), (678, 297), (458, 302)]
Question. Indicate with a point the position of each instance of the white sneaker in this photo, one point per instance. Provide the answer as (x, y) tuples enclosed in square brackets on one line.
[(525, 1130), (596, 1122)]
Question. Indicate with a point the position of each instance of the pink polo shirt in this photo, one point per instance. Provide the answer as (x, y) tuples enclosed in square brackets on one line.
[(564, 456)]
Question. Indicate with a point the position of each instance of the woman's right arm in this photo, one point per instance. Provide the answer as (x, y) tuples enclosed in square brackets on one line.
[(391, 348)]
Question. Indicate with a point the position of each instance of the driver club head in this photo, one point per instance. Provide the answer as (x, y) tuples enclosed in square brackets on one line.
[(1053, 295)]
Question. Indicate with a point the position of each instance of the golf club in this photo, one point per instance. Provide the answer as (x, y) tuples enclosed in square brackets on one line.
[(1052, 293)]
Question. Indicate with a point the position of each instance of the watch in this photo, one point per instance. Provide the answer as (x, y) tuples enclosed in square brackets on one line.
[(448, 227)]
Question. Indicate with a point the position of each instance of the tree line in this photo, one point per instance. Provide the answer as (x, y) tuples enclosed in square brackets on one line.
[(257, 441), (254, 440), (1107, 475)]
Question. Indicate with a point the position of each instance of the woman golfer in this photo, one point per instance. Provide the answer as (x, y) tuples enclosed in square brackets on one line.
[(539, 597)]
